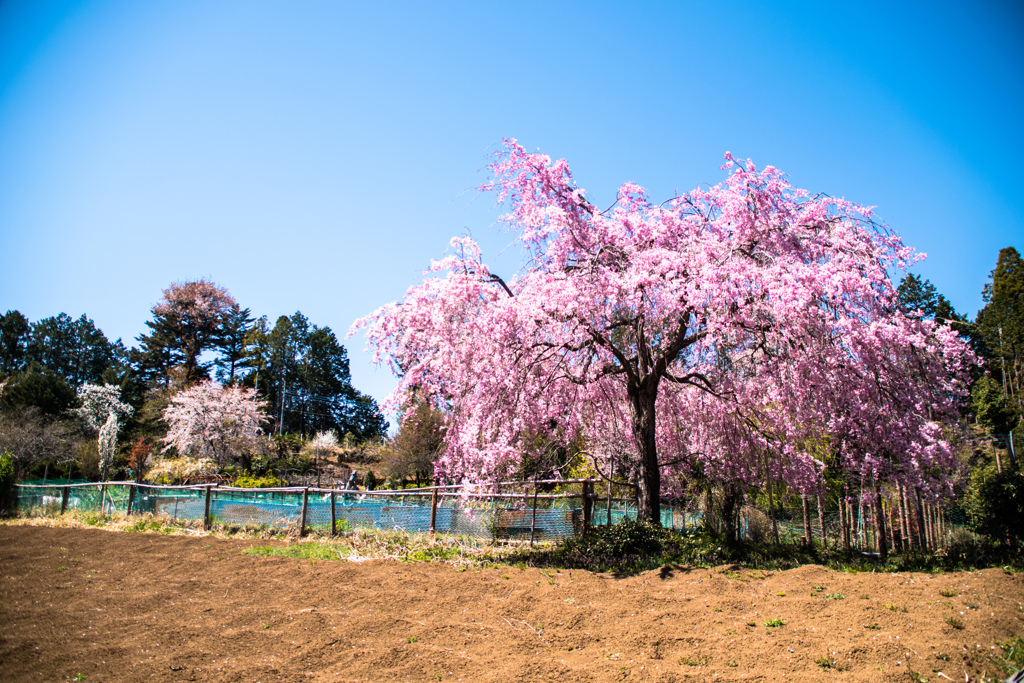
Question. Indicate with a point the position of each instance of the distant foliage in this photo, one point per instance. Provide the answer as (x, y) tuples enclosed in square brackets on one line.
[(176, 470)]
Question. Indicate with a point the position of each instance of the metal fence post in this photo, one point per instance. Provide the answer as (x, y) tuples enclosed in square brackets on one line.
[(302, 517), (64, 499), (206, 508)]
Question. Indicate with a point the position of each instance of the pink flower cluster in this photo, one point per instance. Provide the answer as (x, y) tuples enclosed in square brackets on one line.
[(747, 330)]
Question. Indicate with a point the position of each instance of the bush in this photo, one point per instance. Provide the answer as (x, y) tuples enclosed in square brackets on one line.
[(994, 503), (622, 546), (966, 548), (6, 480), (248, 481), (370, 481)]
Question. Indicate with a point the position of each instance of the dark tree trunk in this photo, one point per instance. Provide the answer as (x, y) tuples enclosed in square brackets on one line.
[(730, 500), (642, 402)]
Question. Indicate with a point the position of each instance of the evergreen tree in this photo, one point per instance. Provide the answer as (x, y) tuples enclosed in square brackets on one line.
[(1001, 327), (303, 371), (917, 297), (14, 334), (230, 342), (76, 350)]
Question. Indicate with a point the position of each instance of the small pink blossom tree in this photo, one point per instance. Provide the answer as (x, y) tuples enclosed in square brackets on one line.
[(212, 421), (725, 329)]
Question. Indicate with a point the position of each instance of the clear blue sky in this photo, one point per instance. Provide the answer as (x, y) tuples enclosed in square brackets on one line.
[(315, 156)]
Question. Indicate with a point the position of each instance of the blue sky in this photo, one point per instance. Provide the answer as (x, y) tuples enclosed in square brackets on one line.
[(315, 156)]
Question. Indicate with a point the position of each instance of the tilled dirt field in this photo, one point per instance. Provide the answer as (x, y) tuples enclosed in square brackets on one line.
[(95, 605)]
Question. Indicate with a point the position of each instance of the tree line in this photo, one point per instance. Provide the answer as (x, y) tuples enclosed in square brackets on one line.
[(61, 379)]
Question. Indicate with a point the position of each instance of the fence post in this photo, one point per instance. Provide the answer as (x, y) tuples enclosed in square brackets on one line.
[(131, 499), (64, 499), (608, 519), (206, 508), (533, 518), (302, 517), (433, 509), (103, 496), (334, 527), (587, 505)]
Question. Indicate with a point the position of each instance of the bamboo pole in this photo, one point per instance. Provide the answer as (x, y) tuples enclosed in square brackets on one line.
[(821, 520), (883, 546)]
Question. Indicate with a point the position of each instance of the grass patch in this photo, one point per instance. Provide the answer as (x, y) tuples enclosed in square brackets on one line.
[(956, 623)]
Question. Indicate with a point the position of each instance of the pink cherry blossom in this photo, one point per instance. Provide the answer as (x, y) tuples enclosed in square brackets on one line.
[(746, 330)]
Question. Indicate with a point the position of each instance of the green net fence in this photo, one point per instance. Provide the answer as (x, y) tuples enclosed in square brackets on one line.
[(308, 509)]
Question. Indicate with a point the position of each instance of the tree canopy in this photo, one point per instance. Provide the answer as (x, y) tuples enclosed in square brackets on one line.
[(732, 330)]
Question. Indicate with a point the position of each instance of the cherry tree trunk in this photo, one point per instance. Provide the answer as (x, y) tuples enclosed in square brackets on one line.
[(642, 401)]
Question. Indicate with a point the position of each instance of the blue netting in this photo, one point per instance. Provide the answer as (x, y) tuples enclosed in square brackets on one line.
[(283, 509)]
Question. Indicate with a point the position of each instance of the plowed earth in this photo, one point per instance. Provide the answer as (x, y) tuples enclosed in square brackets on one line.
[(96, 605)]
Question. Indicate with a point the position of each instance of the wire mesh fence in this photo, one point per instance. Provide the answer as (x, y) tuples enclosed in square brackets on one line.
[(527, 511), (494, 515)]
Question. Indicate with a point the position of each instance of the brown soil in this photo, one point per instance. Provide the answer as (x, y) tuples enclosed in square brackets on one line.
[(110, 606)]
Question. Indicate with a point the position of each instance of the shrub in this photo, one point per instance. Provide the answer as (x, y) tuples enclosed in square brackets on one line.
[(248, 481), (6, 480)]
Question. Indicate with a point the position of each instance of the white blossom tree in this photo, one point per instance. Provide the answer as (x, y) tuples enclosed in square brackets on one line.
[(323, 441), (212, 421), (108, 443), (102, 411)]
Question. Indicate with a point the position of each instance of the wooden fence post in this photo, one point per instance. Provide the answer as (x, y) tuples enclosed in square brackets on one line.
[(433, 509), (305, 506), (533, 518), (64, 499), (103, 496), (608, 519), (206, 508), (587, 505), (131, 499), (334, 521)]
